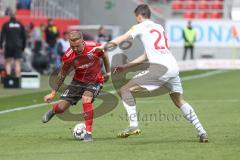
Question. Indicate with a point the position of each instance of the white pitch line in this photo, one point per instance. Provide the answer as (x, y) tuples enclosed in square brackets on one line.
[(204, 75), (24, 108), (200, 101)]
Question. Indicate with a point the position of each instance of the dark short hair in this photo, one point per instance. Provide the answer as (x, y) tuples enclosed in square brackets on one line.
[(143, 10)]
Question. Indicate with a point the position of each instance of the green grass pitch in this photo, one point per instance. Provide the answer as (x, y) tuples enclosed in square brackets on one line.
[(216, 100)]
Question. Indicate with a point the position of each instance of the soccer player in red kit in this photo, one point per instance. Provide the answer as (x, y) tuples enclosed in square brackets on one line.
[(87, 81)]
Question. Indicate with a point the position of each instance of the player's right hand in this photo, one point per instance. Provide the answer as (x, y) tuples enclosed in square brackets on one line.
[(49, 98), (119, 68)]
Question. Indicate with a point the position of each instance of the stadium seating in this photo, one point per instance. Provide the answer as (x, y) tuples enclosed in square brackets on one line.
[(23, 12), (61, 23), (189, 15), (203, 5), (190, 5), (37, 16), (198, 8), (215, 15), (177, 5), (216, 5), (201, 15)]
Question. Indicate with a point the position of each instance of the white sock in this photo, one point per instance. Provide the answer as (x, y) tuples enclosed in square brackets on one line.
[(132, 114), (191, 116)]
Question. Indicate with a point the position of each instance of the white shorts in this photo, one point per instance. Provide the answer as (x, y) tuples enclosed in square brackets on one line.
[(169, 84)]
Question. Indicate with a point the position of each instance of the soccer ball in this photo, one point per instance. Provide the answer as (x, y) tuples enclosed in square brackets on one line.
[(79, 131)]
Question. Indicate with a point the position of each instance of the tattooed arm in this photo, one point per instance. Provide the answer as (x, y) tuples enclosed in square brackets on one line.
[(58, 81)]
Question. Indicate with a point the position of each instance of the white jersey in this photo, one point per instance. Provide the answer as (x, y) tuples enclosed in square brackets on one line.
[(155, 43)]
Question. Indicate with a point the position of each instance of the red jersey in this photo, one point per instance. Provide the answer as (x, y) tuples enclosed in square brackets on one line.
[(87, 66)]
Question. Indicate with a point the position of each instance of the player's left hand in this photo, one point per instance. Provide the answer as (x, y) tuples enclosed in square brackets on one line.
[(97, 49)]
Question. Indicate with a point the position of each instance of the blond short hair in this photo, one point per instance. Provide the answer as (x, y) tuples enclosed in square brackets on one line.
[(75, 35)]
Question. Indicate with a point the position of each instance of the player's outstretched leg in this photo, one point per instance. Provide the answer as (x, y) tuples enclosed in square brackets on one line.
[(88, 114), (190, 115), (130, 107), (57, 108)]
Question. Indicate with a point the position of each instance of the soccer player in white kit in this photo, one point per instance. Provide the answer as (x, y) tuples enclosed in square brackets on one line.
[(157, 52)]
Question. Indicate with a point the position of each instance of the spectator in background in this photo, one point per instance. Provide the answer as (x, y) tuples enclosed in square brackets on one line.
[(37, 38), (87, 36), (189, 36), (29, 30), (102, 37), (13, 35), (8, 11), (63, 44), (52, 34), (24, 4), (40, 59)]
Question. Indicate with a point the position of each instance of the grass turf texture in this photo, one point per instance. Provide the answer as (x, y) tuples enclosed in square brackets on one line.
[(215, 99)]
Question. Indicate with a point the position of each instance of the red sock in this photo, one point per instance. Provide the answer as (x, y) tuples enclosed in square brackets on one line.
[(56, 109), (88, 116)]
